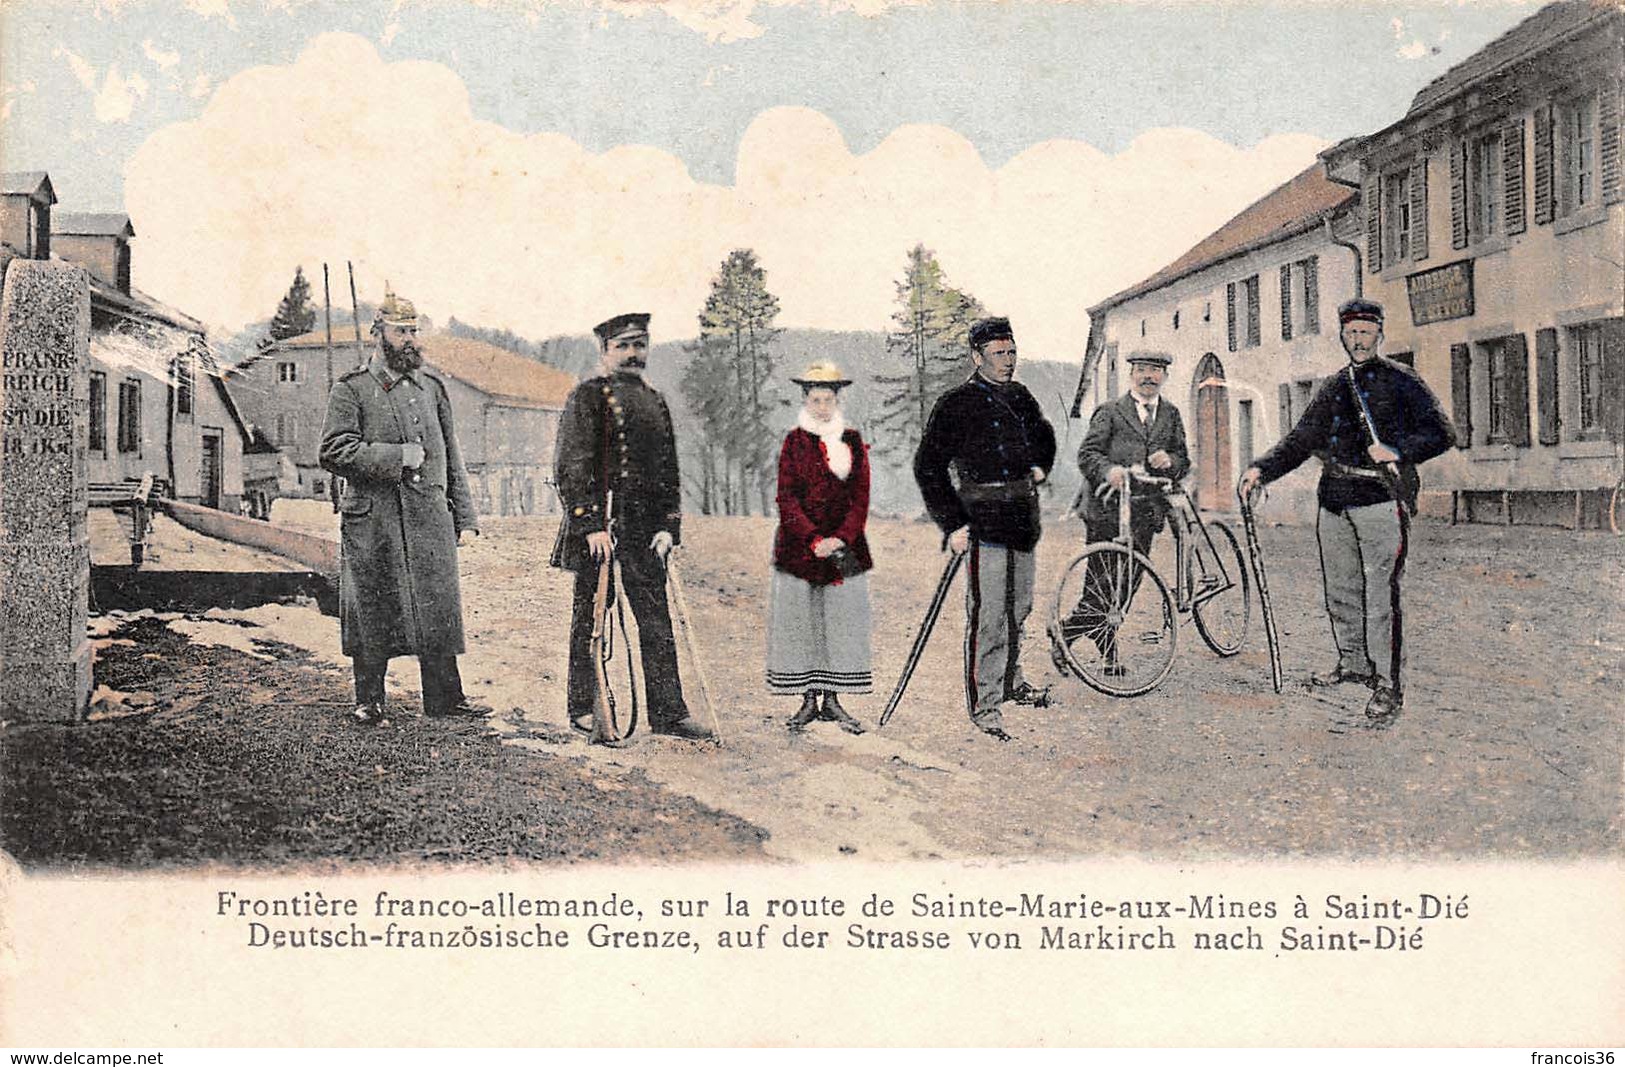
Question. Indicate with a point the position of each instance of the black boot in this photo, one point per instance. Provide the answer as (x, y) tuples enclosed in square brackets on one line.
[(833, 712), (808, 712)]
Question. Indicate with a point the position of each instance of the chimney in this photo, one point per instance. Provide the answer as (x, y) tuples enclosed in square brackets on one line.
[(25, 212), (100, 243)]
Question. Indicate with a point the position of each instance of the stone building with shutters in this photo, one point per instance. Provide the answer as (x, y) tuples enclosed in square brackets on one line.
[(157, 401), (505, 408), (1250, 317), (1494, 234)]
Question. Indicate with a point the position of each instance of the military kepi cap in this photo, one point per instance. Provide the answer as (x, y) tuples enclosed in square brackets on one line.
[(635, 322), (1360, 310), (994, 328), (1157, 359)]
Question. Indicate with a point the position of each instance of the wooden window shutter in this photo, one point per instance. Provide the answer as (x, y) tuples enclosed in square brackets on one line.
[(1286, 301), (1311, 295), (1283, 401), (1517, 416), (1255, 328), (1230, 311), (1512, 192), (1544, 176), (1608, 134), (1458, 194), (1461, 393), (1613, 378), (1373, 223), (1546, 385), (1419, 208)]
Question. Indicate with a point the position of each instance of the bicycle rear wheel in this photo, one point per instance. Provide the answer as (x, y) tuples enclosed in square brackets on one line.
[(1221, 597), (1113, 622)]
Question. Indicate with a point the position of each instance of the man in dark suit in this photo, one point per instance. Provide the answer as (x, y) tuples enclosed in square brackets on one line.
[(992, 434), (1142, 429), (615, 435), (404, 509)]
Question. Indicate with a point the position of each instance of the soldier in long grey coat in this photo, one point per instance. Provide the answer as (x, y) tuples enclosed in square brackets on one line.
[(404, 508)]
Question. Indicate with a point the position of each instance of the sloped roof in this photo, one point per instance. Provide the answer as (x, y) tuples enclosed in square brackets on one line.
[(137, 304), (1286, 211), (92, 224), (490, 369), (1539, 31), (26, 183)]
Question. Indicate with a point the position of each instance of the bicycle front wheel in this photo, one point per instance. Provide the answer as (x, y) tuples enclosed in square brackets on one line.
[(1113, 623), (1221, 594)]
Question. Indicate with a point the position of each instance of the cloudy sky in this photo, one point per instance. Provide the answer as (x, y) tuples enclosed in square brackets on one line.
[(541, 164)]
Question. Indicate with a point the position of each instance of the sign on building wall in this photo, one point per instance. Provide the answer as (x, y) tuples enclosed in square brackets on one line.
[(1441, 293)]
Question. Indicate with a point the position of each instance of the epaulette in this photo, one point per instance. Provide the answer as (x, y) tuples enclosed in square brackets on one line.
[(1394, 364), (354, 373), (435, 378)]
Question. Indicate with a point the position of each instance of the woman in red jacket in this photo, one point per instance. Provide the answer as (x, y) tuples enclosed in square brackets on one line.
[(818, 624)]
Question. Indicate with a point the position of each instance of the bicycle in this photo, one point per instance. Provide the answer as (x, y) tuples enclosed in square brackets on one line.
[(1114, 622)]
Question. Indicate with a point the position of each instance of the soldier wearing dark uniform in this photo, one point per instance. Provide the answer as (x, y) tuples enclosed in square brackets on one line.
[(992, 435), (404, 508), (1364, 510), (615, 436)]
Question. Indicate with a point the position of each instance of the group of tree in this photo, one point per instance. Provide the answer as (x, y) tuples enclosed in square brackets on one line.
[(731, 389)]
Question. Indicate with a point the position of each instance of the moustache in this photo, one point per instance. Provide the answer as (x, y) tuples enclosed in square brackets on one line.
[(636, 363)]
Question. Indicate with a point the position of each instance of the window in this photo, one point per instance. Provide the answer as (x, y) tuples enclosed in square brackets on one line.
[(1255, 333), (1176, 318), (1396, 216), (1244, 432), (1588, 377), (287, 430), (1485, 187), (1111, 370), (287, 372), (1207, 311), (1577, 155), (129, 415), (1300, 298), (1142, 327), (183, 384), (1506, 371), (98, 412)]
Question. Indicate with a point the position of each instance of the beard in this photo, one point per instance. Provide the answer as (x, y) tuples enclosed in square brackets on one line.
[(403, 359)]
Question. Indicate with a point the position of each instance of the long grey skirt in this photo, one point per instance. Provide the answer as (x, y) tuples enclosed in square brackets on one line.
[(818, 636)]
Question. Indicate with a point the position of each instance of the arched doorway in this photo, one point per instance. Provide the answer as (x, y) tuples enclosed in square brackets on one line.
[(1211, 400)]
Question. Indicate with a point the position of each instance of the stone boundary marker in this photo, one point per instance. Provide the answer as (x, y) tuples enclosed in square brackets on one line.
[(44, 544)]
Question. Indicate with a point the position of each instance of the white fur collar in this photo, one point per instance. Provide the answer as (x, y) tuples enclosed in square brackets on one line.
[(836, 451)]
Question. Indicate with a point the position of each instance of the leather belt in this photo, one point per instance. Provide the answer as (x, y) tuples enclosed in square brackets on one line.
[(987, 492), (1335, 469)]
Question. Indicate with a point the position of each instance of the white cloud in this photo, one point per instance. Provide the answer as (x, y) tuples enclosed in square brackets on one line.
[(82, 70), (534, 232), (10, 94), (118, 96), (212, 9), (200, 87), (1415, 50), (163, 59)]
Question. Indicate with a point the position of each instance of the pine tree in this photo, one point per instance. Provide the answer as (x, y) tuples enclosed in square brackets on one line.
[(729, 384), (930, 336), (295, 315)]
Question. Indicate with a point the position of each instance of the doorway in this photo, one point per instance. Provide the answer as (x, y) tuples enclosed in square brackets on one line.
[(210, 476), (1214, 476)]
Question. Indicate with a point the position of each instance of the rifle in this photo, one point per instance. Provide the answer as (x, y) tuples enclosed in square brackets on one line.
[(1255, 555), (606, 727), (1403, 494), (926, 625)]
